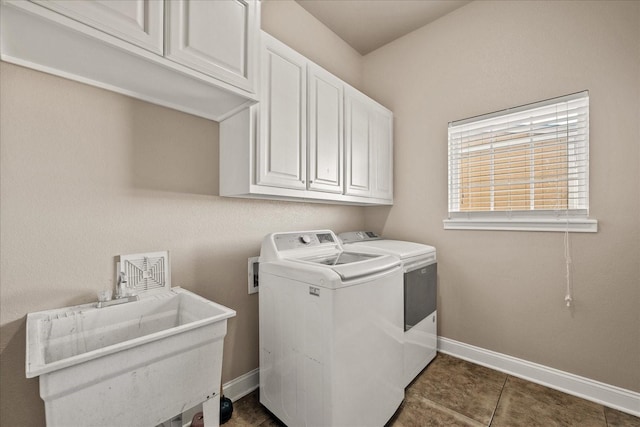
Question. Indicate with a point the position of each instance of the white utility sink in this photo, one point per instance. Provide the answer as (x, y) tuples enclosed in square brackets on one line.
[(134, 364)]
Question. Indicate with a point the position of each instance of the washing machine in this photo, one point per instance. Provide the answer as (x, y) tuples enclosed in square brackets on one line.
[(419, 288), (331, 332)]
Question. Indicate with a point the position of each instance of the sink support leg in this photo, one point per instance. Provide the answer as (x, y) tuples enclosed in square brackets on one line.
[(211, 411)]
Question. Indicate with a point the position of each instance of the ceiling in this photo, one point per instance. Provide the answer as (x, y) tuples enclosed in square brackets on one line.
[(369, 24)]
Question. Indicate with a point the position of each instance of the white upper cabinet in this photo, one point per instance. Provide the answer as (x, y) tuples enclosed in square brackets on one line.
[(368, 147), (358, 145), (311, 138), (282, 139), (218, 38), (326, 131), (139, 22), (382, 150), (199, 57)]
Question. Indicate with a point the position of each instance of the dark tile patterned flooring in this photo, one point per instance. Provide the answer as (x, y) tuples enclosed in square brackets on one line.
[(453, 392)]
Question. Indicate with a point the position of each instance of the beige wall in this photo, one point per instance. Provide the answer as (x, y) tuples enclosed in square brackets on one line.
[(293, 25), (87, 174), (504, 291)]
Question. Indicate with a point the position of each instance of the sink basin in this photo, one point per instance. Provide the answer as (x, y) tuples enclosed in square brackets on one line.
[(138, 363)]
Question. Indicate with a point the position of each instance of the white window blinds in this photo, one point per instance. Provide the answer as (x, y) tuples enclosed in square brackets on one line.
[(531, 160)]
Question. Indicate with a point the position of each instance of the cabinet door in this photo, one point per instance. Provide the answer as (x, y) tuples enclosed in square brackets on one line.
[(217, 38), (325, 131), (282, 141), (382, 146), (358, 164), (139, 22)]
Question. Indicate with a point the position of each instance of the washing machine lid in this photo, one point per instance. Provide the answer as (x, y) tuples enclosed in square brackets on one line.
[(323, 272), (340, 258), (352, 265), (399, 248)]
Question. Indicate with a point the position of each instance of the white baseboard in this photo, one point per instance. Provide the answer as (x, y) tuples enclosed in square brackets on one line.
[(614, 397), (239, 387), (604, 394)]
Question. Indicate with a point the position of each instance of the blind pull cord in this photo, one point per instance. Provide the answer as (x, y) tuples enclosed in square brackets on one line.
[(567, 252), (567, 259)]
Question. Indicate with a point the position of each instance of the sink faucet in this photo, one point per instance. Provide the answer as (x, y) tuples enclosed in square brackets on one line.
[(124, 292), (121, 286)]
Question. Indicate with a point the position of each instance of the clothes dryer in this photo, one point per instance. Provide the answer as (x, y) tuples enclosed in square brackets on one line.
[(419, 294), (331, 329)]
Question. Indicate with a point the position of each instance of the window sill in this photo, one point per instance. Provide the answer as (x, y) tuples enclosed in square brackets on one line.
[(573, 225)]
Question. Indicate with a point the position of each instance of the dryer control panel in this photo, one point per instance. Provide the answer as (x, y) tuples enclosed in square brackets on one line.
[(359, 236)]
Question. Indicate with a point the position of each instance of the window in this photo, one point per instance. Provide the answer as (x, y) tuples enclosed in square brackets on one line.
[(525, 168)]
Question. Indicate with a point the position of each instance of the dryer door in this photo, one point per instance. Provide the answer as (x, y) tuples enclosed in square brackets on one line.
[(420, 294)]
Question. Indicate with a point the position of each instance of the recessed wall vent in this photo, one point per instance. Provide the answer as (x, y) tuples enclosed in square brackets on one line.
[(148, 272)]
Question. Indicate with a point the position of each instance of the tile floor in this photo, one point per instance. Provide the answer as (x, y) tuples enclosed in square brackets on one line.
[(453, 392)]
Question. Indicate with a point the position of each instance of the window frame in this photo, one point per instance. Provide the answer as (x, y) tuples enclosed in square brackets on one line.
[(573, 218)]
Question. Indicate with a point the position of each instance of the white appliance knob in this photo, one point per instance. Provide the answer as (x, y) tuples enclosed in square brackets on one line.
[(305, 239)]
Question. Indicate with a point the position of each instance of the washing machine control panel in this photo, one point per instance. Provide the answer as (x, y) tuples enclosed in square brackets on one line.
[(305, 238), (287, 241)]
